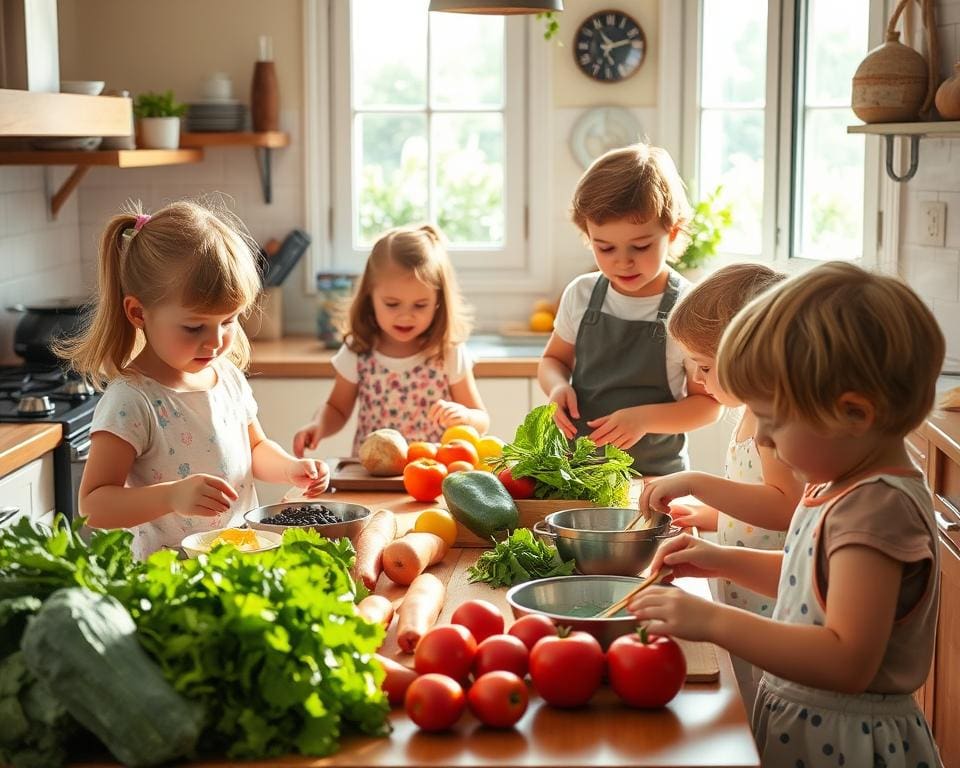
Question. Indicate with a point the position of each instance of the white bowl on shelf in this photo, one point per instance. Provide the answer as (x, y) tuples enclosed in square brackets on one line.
[(84, 87)]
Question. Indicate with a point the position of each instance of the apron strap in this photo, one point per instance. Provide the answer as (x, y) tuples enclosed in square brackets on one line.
[(599, 293), (670, 296)]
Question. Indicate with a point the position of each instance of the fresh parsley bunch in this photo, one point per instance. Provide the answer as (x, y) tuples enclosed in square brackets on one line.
[(521, 557), (565, 470)]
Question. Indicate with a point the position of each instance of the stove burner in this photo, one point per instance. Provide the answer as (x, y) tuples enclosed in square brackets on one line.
[(35, 405), (78, 388)]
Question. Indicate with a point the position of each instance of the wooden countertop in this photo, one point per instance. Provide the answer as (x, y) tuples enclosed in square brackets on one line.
[(22, 443), (305, 357), (705, 725)]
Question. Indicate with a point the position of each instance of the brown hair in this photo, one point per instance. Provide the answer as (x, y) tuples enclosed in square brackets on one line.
[(187, 252), (421, 251), (638, 182), (700, 317), (834, 329)]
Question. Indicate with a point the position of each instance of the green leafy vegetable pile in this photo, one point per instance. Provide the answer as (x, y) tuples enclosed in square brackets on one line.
[(268, 643), (519, 558), (563, 470)]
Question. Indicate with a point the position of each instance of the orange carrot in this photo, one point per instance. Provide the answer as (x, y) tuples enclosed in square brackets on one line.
[(376, 609), (407, 557), (376, 534), (419, 610), (398, 679)]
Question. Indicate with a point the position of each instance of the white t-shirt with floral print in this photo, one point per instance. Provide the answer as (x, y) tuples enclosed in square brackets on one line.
[(176, 434)]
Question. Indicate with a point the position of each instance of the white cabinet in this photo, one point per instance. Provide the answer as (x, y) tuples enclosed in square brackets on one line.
[(507, 400), (31, 489)]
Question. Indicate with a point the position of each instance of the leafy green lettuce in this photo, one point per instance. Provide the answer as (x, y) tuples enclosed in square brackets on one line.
[(565, 470)]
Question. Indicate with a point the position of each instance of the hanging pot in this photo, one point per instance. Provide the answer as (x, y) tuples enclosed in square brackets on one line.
[(42, 323)]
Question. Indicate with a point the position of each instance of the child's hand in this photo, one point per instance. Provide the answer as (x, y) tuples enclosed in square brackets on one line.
[(202, 495), (671, 611), (311, 474), (657, 494), (689, 556), (448, 413), (694, 515), (622, 428), (307, 438), (565, 397)]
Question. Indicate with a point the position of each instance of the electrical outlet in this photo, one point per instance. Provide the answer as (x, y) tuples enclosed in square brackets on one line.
[(933, 223)]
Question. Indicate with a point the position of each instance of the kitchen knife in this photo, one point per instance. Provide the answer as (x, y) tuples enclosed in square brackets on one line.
[(282, 263)]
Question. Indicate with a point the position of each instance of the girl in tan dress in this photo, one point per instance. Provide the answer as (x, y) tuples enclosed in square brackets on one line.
[(838, 365)]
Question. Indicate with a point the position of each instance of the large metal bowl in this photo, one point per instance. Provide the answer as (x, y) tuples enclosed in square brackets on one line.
[(354, 517), (595, 539), (572, 601)]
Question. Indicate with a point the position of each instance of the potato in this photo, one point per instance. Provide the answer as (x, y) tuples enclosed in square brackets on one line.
[(384, 453)]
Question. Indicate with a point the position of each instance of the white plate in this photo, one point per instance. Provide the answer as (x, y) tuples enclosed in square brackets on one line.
[(199, 543)]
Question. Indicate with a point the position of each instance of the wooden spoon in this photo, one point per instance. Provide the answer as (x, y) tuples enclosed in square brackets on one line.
[(652, 579), (642, 514)]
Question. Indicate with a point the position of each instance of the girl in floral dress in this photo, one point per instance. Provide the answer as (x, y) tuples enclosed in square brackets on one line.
[(403, 362), (751, 505), (838, 365), (175, 440)]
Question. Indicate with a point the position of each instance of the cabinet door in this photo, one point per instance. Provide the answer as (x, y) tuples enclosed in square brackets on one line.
[(31, 489), (946, 667), (507, 400)]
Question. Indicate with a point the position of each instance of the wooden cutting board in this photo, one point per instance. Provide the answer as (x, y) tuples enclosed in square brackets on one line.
[(702, 664), (348, 474)]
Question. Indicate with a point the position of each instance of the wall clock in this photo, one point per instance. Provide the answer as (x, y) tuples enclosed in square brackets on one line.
[(609, 46), (601, 129)]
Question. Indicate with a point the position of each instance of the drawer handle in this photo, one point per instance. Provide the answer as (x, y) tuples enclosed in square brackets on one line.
[(947, 526), (951, 507)]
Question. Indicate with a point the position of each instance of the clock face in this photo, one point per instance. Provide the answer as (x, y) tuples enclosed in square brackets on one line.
[(609, 46)]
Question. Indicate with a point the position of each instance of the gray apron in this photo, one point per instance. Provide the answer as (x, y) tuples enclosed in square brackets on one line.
[(623, 363)]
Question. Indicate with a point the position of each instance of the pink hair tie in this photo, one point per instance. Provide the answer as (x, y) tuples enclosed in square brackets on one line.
[(142, 218)]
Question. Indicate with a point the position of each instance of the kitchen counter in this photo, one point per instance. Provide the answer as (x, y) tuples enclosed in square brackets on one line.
[(22, 443), (306, 357)]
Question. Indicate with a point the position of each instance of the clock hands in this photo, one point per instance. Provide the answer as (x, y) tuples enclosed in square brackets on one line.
[(608, 46)]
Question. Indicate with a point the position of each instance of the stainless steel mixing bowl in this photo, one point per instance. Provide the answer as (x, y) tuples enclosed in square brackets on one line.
[(595, 539), (354, 517), (573, 601)]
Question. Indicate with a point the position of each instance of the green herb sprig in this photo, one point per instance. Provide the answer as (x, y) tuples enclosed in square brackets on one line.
[(521, 557), (565, 470)]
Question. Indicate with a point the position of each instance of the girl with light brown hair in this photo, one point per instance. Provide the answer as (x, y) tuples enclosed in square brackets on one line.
[(752, 503), (175, 440), (404, 357), (838, 365)]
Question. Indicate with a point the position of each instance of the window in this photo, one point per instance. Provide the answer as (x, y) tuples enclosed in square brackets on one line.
[(772, 88), (429, 127)]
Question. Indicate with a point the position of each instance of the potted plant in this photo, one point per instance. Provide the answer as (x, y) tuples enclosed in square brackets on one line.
[(711, 216), (159, 115)]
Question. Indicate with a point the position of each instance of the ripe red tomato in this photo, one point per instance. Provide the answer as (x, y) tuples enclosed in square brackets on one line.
[(421, 450), (646, 671), (518, 487), (434, 702), (498, 699), (422, 479), (567, 670), (447, 649), (501, 652), (481, 617), (531, 628), (458, 450)]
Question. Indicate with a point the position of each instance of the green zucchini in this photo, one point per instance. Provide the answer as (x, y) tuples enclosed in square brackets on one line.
[(84, 646), (481, 503)]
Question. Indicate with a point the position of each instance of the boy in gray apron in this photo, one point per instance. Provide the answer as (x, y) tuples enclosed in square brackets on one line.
[(610, 351)]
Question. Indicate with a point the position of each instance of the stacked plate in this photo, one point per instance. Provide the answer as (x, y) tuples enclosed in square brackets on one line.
[(224, 115)]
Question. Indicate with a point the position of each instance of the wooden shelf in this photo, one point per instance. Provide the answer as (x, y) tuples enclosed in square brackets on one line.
[(30, 113), (117, 158), (943, 128), (84, 161), (914, 131), (266, 139)]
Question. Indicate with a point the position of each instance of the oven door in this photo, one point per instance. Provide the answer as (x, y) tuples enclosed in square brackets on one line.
[(70, 457)]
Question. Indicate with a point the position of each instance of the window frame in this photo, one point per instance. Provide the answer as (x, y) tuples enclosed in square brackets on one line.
[(781, 132), (523, 263)]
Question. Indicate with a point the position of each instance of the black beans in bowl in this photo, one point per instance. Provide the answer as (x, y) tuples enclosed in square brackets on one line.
[(303, 514)]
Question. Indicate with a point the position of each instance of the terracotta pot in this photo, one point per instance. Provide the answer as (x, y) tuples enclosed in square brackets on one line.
[(890, 84), (948, 96)]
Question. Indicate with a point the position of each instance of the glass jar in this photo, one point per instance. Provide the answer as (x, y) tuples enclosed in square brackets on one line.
[(334, 291)]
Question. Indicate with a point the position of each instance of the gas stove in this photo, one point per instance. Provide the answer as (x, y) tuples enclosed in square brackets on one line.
[(46, 394)]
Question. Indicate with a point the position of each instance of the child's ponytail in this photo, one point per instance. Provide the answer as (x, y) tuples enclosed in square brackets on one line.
[(106, 344)]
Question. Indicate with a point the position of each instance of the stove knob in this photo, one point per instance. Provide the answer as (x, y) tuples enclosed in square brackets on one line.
[(34, 405)]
